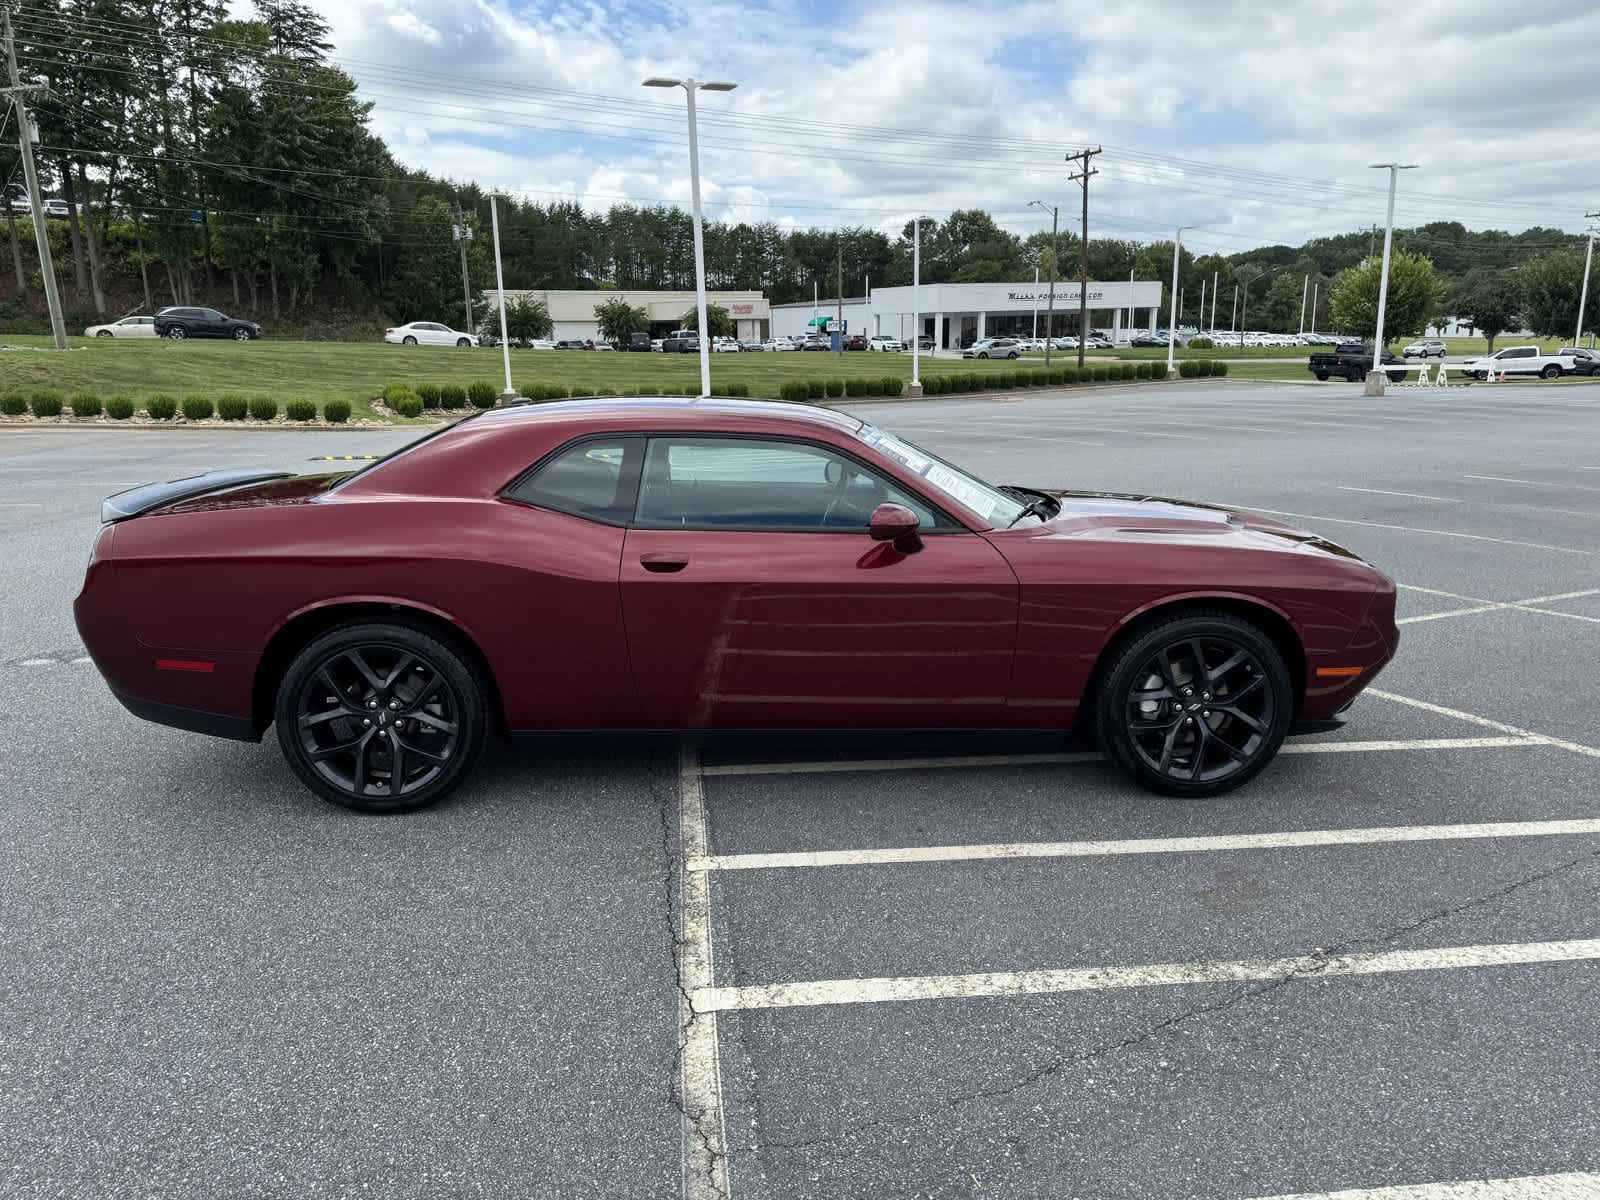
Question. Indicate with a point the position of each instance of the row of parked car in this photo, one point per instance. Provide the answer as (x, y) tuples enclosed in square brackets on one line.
[(178, 322), (1353, 361)]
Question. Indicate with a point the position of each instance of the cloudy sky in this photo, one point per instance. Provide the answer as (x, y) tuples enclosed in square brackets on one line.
[(1255, 122)]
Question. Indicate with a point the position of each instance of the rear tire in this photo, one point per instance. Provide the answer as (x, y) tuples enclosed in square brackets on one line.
[(104, 333), (1551, 372), (177, 333), (381, 717), (1187, 733)]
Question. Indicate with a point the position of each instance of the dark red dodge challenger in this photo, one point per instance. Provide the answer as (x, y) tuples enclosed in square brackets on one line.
[(710, 564)]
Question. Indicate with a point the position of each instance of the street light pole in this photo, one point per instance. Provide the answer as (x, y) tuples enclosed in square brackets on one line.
[(690, 86), (1050, 317), (916, 307), (1583, 296), (30, 175), (1172, 300), (1376, 377), (510, 394), (1304, 288)]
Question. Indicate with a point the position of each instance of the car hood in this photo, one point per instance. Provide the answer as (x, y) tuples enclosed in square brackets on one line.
[(1132, 516)]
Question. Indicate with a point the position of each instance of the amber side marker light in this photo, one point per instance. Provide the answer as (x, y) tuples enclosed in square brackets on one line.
[(184, 664), (1338, 672)]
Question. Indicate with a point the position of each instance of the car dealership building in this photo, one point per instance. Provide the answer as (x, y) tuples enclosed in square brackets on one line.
[(957, 314), (572, 311)]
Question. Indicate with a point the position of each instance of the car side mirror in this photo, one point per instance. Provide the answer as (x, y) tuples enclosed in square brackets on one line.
[(897, 524)]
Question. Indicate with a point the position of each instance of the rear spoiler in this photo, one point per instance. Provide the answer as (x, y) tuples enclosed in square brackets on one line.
[(156, 495)]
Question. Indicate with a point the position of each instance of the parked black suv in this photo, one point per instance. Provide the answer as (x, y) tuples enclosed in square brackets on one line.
[(180, 323), (637, 341)]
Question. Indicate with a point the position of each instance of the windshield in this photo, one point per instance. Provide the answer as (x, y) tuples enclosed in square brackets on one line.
[(965, 489)]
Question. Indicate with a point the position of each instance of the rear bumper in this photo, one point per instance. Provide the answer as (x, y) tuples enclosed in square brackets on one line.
[(239, 729)]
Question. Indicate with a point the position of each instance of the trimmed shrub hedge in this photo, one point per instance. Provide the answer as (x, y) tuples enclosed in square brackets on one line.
[(835, 387), (263, 408), (119, 408), (1128, 371), (794, 390), (1069, 374), (407, 406), (855, 387), (428, 393), (232, 407), (816, 389), (338, 411), (544, 391), (738, 389), (482, 393), (45, 403), (1219, 366), (305, 410), (161, 407), (393, 391), (198, 408), (1189, 368), (453, 395), (13, 404), (893, 385), (1201, 343), (86, 404)]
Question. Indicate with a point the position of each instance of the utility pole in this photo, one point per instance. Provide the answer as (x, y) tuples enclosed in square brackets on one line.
[(462, 233), (30, 174), (1314, 289), (1214, 277), (1583, 297), (1084, 174), (1304, 288)]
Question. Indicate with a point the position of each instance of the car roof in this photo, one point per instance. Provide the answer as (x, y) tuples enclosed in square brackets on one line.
[(479, 455)]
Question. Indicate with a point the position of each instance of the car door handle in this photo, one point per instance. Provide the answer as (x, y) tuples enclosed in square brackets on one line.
[(663, 564)]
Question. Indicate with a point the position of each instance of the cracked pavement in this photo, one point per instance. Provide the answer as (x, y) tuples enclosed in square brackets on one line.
[(216, 985)]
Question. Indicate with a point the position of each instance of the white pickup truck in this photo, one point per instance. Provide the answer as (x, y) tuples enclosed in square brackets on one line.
[(1520, 360)]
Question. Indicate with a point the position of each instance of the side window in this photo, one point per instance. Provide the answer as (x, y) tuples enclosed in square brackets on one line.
[(593, 479), (737, 483)]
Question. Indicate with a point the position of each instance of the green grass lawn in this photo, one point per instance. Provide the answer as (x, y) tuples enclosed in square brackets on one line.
[(323, 371)]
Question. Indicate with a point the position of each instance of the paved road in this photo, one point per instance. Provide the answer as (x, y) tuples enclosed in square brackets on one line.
[(215, 985)]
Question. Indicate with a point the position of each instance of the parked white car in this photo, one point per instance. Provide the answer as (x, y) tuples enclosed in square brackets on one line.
[(540, 344), (776, 345), (725, 345), (428, 333), (1521, 360), (128, 327), (887, 344)]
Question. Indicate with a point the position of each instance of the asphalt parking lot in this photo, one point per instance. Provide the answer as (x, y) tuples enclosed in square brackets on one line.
[(973, 967)]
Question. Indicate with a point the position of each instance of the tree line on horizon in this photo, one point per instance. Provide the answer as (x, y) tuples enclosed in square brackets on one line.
[(205, 159)]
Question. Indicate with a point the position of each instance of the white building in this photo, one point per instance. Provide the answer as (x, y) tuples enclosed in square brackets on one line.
[(956, 314), (572, 311)]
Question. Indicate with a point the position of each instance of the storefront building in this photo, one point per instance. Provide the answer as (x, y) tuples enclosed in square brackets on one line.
[(572, 312), (957, 314)]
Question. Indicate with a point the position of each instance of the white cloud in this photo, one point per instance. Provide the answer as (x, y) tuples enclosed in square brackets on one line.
[(868, 117)]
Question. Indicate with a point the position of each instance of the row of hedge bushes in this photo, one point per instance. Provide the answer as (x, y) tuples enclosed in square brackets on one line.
[(161, 407)]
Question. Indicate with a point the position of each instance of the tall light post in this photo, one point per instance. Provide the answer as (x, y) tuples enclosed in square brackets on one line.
[(690, 87), (916, 307), (510, 394), (1583, 295), (1172, 305), (1246, 275), (1376, 377), (1050, 318)]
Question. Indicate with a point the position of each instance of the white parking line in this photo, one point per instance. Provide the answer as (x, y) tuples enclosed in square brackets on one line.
[(1289, 840), (1479, 605), (1097, 979), (1576, 1185), (1471, 537), (1407, 495), (1577, 487), (1485, 722), (705, 1164), (835, 766)]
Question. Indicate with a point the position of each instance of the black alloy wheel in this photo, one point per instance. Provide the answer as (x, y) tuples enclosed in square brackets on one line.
[(1551, 372), (1196, 706), (177, 333), (381, 717), (241, 334)]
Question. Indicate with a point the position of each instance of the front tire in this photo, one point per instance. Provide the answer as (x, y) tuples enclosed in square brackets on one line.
[(381, 717), (1322, 377), (241, 335), (1196, 705), (461, 342)]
